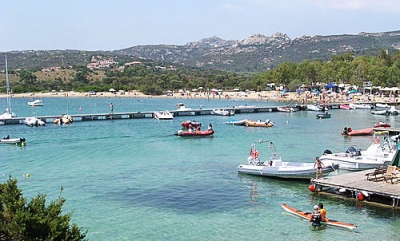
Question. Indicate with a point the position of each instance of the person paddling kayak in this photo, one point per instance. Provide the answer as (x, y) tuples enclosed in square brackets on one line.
[(315, 217)]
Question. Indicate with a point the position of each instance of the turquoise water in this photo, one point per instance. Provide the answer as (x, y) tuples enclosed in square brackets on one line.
[(135, 180)]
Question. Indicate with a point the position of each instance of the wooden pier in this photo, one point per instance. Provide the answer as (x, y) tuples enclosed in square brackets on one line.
[(378, 190), (146, 114), (193, 112)]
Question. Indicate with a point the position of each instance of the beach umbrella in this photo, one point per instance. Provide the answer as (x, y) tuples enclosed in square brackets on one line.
[(112, 90)]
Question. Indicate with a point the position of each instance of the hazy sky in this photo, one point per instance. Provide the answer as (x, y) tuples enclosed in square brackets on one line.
[(118, 24)]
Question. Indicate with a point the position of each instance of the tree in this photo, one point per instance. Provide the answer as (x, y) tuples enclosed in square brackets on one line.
[(23, 221), (27, 77)]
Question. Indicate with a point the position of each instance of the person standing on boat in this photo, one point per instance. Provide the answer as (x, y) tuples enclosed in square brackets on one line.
[(111, 108), (319, 165), (315, 217)]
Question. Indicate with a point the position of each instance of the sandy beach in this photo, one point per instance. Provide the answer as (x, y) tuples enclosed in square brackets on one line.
[(251, 95)]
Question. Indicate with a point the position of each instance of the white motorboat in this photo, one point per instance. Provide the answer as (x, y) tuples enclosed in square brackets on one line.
[(286, 109), (315, 107), (34, 121), (391, 111), (8, 114), (380, 105), (35, 103), (376, 155), (163, 115), (275, 167), (183, 110), (16, 141), (237, 122), (223, 112), (361, 106)]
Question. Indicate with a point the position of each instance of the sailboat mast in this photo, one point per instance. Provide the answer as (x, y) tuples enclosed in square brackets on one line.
[(8, 89)]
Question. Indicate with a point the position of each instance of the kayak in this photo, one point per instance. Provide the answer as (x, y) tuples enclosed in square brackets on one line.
[(328, 221)]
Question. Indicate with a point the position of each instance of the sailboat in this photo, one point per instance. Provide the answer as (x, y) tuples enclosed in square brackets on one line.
[(8, 114)]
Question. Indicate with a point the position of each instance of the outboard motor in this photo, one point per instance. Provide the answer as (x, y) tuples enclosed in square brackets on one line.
[(351, 149)]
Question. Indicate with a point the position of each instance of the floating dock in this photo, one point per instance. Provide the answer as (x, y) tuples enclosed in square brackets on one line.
[(146, 114), (374, 184)]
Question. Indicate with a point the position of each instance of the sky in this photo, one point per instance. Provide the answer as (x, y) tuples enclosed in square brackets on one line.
[(112, 25)]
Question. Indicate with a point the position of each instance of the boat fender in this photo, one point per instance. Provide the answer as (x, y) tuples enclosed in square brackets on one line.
[(360, 196), (311, 188)]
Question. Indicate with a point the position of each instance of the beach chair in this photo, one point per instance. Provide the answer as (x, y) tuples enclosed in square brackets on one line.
[(391, 175), (377, 174)]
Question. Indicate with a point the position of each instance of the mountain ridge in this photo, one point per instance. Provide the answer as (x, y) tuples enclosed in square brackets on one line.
[(257, 53)]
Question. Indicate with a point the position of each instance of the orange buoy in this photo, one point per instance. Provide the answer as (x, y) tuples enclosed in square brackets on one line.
[(360, 196), (311, 188)]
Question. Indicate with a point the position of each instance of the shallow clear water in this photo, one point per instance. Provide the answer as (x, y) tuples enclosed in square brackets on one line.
[(135, 180)]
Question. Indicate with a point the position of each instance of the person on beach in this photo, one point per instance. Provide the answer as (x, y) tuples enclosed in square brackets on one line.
[(315, 217), (318, 164), (111, 108)]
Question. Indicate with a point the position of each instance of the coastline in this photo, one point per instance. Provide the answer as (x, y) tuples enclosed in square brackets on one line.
[(263, 95)]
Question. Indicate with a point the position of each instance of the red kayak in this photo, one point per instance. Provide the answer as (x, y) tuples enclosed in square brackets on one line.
[(328, 221), (194, 133)]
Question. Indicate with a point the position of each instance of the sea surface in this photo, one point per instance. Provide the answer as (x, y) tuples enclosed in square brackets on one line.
[(134, 180)]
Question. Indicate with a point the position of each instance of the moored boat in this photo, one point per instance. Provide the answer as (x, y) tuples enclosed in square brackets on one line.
[(361, 105), (259, 123), (8, 114), (325, 115), (237, 122), (64, 119), (35, 103), (286, 109), (391, 111), (379, 153), (34, 121), (275, 167), (223, 112), (347, 107), (16, 141), (183, 110), (163, 115), (315, 107)]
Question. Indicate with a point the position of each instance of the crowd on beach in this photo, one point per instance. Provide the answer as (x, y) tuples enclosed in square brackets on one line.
[(296, 97)]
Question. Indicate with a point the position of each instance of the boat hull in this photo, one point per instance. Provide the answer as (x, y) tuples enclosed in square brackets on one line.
[(374, 156), (13, 141), (250, 123), (163, 115), (194, 133), (288, 170), (237, 122)]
